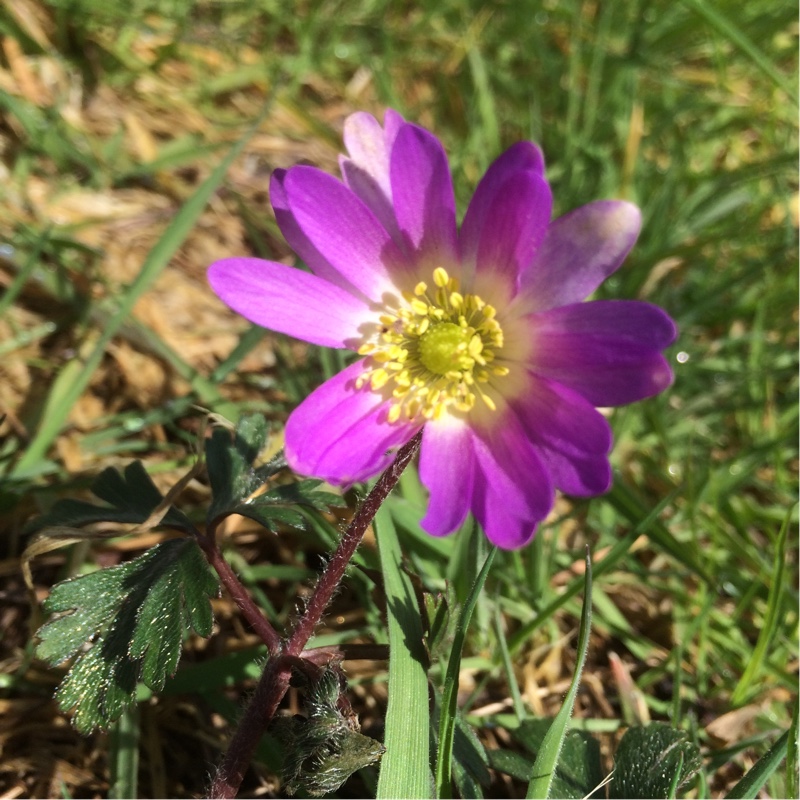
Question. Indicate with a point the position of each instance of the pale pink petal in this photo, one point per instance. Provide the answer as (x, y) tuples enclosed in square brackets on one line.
[(341, 434), (366, 171), (422, 193), (446, 468), (289, 301), (369, 145), (580, 251), (571, 437), (607, 351), (343, 230), (513, 491)]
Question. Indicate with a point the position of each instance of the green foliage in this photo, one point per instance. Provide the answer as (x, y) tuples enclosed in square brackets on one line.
[(131, 497), (653, 760), (325, 748), (134, 616), (449, 711), (755, 778), (236, 484), (405, 770), (579, 772), (549, 753)]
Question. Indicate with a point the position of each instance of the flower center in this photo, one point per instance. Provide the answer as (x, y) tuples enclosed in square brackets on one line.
[(443, 347), (435, 351)]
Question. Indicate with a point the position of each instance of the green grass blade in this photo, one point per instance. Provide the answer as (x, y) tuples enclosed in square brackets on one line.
[(791, 755), (544, 768), (610, 560), (124, 755), (73, 380), (734, 35), (447, 719), (405, 768), (750, 785), (771, 620)]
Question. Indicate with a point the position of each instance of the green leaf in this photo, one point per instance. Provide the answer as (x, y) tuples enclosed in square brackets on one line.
[(470, 760), (579, 772), (771, 622), (131, 497), (648, 759), (447, 718), (229, 459), (322, 750), (544, 769), (750, 785), (405, 769), (134, 617), (235, 481)]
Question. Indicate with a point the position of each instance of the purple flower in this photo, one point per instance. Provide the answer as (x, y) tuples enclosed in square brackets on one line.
[(478, 335)]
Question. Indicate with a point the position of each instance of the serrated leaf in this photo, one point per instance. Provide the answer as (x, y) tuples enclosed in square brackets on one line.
[(648, 758), (579, 771), (131, 497), (235, 481), (134, 617), (278, 506), (229, 459)]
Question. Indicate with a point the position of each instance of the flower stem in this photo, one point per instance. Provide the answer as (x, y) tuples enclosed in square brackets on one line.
[(334, 571), (240, 596), (274, 681)]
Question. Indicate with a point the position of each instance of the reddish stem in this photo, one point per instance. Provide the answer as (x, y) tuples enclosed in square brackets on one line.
[(274, 679), (240, 596), (335, 569)]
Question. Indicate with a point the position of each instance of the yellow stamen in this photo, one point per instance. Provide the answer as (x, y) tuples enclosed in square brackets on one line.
[(431, 351)]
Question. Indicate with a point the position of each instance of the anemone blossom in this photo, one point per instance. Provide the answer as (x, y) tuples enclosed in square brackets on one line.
[(479, 335)]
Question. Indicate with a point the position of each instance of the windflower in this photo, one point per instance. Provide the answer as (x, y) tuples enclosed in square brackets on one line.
[(478, 335)]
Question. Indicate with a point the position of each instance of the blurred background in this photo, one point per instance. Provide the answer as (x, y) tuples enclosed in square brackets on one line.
[(114, 121)]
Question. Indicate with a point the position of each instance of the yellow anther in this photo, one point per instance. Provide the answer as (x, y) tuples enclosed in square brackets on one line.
[(440, 277), (378, 378), (431, 351), (420, 307)]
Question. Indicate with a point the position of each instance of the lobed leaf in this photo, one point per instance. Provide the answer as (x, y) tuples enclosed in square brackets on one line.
[(648, 759), (133, 617), (131, 497), (235, 481)]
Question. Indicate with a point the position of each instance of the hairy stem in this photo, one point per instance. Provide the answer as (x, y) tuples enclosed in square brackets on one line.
[(334, 571), (240, 595), (274, 679)]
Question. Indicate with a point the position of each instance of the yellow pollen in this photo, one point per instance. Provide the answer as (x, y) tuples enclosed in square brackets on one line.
[(431, 351)]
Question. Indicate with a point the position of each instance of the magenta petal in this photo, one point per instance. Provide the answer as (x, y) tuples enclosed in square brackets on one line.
[(342, 229), (289, 301), (513, 227), (340, 433), (513, 491), (297, 240), (520, 158), (572, 438), (446, 468), (581, 249), (607, 351), (422, 193)]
